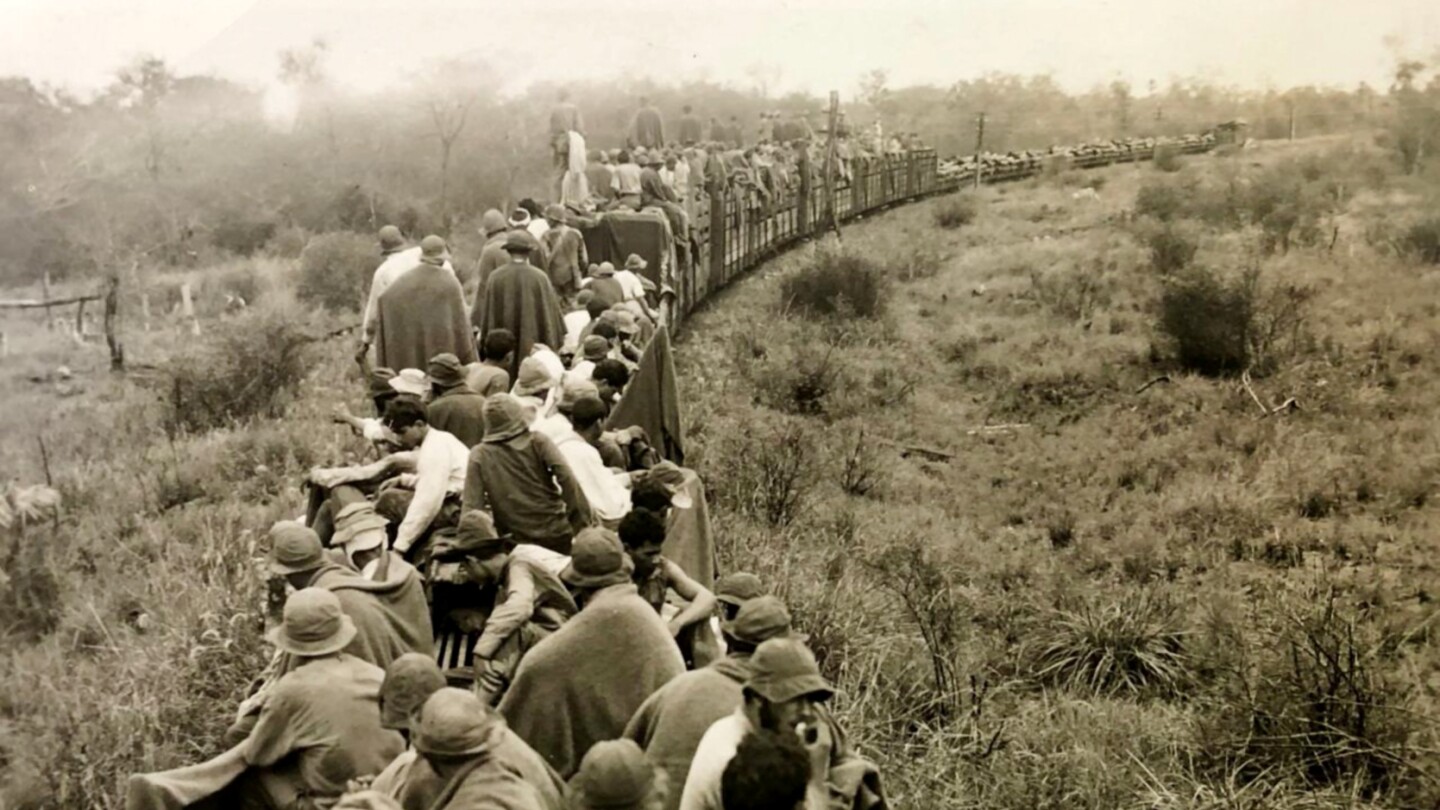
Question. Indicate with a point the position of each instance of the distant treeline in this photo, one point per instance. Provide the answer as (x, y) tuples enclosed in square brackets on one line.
[(162, 169)]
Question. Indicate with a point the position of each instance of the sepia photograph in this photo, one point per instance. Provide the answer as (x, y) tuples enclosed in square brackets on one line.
[(720, 405)]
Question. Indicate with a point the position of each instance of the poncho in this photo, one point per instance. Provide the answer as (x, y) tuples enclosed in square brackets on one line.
[(421, 315), (583, 683), (391, 617), (671, 722), (520, 298), (652, 400), (509, 775)]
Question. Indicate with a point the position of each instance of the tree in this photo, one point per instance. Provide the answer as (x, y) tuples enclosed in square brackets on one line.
[(764, 76), (450, 89), (1121, 96), (304, 69), (142, 86)]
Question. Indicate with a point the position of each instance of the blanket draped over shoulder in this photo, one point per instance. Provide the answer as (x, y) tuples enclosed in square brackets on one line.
[(652, 400), (520, 298), (392, 617), (582, 684), (421, 315)]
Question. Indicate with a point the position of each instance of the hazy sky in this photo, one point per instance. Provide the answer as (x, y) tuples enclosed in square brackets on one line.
[(813, 45)]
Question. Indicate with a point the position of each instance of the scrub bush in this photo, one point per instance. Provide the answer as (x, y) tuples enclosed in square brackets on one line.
[(1422, 241), (1223, 325), (335, 271), (837, 284), (1171, 249), (1132, 645), (955, 212)]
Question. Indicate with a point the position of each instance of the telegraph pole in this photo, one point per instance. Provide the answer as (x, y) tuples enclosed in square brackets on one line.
[(979, 145)]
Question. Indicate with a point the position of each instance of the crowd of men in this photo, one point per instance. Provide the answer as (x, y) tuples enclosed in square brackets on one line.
[(512, 601)]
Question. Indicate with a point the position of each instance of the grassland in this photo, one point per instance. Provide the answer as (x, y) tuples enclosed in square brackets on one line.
[(1119, 598)]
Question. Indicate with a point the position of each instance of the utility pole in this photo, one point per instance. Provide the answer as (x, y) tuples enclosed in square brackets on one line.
[(832, 218), (1291, 105), (979, 145)]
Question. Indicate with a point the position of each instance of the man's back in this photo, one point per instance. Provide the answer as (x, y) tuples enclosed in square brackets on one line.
[(459, 412), (671, 722)]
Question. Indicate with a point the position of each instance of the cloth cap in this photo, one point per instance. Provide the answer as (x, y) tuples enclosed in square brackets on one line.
[(492, 222), (294, 548), (446, 371), (635, 262), (783, 669), (574, 391), (411, 381), (669, 475), (409, 681), (504, 418), (358, 527), (390, 238), (516, 242), (597, 560), (454, 723), (613, 774), (738, 587), (432, 247), (556, 213), (380, 381), (392, 504), (605, 270), (759, 620), (535, 377), (595, 348), (519, 218), (313, 624)]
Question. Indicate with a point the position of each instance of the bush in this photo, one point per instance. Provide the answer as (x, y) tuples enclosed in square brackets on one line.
[(800, 382), (335, 271), (1131, 646), (249, 366), (1167, 159), (1421, 241), (288, 242), (837, 284), (1171, 249), (770, 472), (1222, 326), (955, 212), (1161, 201), (240, 234)]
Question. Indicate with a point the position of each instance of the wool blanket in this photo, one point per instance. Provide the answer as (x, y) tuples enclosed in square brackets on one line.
[(620, 233), (391, 617), (670, 723), (520, 297), (489, 782), (652, 401), (582, 684), (421, 315), (688, 542), (181, 787)]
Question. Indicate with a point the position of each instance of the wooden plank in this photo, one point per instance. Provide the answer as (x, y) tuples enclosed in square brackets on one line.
[(31, 303)]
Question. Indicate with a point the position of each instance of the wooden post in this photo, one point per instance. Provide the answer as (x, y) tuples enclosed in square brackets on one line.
[(979, 145), (145, 311), (1291, 105), (832, 218), (80, 321), (45, 296), (112, 325), (187, 309), (4, 346)]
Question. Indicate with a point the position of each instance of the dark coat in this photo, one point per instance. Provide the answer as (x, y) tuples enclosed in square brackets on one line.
[(459, 412), (520, 297), (421, 315)]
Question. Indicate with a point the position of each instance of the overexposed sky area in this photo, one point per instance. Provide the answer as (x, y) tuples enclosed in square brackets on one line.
[(810, 45)]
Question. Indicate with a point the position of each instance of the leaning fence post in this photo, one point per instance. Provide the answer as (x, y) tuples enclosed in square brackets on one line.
[(112, 325), (187, 308)]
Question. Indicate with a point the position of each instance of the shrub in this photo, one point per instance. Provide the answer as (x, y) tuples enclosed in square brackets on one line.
[(1170, 249), (248, 366), (1167, 160), (801, 382), (955, 212), (335, 270), (1421, 241), (770, 472), (1315, 703), (288, 242), (241, 234), (1221, 326), (837, 284), (1131, 646), (1161, 201)]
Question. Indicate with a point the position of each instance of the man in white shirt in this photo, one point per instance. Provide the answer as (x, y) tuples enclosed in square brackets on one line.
[(608, 492), (577, 319), (439, 473), (629, 277), (781, 695), (398, 259)]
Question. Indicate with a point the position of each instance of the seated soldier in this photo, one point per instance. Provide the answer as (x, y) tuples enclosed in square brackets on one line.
[(616, 775), (770, 771), (410, 680), (438, 479), (642, 532), (491, 375), (454, 407)]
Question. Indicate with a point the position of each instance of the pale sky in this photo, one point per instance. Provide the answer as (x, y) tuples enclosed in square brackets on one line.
[(813, 45)]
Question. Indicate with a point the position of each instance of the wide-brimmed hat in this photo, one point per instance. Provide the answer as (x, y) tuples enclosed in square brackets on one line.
[(410, 680), (597, 560), (518, 242), (635, 262), (595, 348), (669, 475), (556, 212), (379, 380), (575, 390), (358, 527), (391, 239), (455, 723), (492, 222), (294, 548), (759, 620), (783, 669), (475, 536), (626, 323), (432, 250), (613, 775), (446, 371), (535, 377), (313, 624), (519, 218), (411, 381), (604, 270), (738, 587)]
